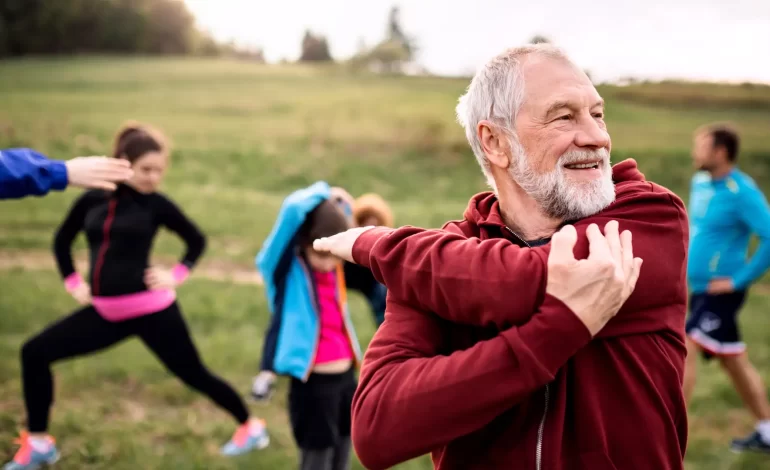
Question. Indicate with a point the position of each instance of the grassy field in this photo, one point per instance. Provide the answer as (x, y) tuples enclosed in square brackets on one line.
[(244, 136)]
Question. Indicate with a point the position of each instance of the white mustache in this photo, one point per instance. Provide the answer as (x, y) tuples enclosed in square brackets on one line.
[(574, 156)]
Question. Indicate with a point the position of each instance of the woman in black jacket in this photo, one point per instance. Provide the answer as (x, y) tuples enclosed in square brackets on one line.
[(124, 297)]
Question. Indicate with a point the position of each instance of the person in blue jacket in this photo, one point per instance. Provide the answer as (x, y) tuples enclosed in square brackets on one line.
[(726, 209), (311, 337), (25, 172)]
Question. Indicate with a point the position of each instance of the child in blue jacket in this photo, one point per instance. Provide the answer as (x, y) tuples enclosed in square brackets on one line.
[(311, 337)]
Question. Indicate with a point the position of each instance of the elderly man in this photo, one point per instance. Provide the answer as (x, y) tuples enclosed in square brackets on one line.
[(480, 359)]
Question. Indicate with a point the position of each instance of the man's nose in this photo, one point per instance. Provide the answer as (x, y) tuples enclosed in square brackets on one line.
[(592, 135)]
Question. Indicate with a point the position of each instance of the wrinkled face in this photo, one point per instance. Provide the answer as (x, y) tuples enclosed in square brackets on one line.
[(149, 170), (561, 157), (321, 262), (703, 152)]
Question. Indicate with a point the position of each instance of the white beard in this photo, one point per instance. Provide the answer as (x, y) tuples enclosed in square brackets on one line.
[(558, 195)]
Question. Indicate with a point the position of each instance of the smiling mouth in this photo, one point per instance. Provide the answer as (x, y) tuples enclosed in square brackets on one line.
[(583, 166)]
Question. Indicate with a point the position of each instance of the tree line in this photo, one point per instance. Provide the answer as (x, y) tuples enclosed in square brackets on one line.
[(102, 26)]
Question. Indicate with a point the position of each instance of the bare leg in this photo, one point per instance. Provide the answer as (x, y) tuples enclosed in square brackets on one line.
[(748, 384)]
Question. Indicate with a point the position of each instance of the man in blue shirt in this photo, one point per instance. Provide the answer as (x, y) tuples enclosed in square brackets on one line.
[(25, 172), (726, 209)]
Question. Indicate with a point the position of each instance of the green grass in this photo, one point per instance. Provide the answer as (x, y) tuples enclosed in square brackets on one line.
[(244, 136)]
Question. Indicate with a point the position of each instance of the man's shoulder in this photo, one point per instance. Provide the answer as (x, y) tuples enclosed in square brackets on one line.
[(646, 192), (460, 227), (739, 182)]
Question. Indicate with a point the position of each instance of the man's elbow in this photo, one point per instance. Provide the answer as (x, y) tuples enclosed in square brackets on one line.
[(373, 450), (375, 446)]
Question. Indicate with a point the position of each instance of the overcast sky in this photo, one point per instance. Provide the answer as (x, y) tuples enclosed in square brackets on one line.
[(692, 39)]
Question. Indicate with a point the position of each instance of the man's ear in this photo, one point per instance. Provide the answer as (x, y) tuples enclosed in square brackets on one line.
[(495, 144)]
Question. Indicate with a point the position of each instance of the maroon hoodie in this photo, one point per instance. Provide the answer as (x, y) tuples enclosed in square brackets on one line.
[(476, 364)]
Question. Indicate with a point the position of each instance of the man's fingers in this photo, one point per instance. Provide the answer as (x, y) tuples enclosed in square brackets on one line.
[(637, 268), (597, 244), (613, 240), (107, 185), (323, 244), (563, 244), (627, 251)]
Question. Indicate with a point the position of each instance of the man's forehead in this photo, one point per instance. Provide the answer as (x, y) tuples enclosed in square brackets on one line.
[(703, 136), (549, 81)]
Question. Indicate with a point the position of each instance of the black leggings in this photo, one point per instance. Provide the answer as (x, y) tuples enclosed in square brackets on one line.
[(85, 332)]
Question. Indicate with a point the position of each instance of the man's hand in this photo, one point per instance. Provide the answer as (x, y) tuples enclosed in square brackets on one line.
[(594, 288), (159, 278), (340, 245), (97, 172), (722, 285)]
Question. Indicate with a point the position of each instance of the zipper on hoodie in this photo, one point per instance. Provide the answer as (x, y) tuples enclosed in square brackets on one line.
[(540, 429), (105, 244)]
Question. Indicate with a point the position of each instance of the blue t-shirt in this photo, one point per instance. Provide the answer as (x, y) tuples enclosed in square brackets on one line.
[(724, 213)]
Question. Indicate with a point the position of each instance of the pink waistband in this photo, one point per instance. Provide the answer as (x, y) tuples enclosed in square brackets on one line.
[(125, 307)]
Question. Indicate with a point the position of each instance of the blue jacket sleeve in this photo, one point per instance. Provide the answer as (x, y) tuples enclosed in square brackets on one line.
[(291, 216), (755, 213), (25, 172)]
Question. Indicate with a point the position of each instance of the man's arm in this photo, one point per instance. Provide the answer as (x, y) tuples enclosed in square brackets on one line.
[(25, 172), (755, 213), (494, 282), (412, 399)]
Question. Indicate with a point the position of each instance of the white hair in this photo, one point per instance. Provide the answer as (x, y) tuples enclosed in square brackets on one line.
[(496, 94)]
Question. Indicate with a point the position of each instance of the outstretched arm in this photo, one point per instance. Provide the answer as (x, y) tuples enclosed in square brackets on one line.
[(25, 172), (494, 282), (464, 280)]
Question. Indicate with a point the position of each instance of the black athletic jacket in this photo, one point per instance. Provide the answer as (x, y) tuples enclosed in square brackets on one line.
[(120, 227)]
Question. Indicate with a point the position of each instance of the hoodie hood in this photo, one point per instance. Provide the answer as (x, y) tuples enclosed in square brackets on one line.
[(484, 208)]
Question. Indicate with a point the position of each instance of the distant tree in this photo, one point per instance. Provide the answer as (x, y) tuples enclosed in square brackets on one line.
[(539, 39), (395, 33), (315, 48)]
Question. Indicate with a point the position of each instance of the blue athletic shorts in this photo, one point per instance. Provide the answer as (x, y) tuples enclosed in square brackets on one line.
[(713, 325)]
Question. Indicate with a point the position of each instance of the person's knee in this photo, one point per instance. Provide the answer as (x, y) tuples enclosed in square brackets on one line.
[(195, 375), (33, 351)]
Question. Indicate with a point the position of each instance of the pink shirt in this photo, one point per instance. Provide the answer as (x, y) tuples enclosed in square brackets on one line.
[(334, 343)]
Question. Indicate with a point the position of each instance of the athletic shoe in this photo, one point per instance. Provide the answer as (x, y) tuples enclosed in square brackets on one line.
[(249, 436), (263, 386), (753, 442), (30, 458)]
